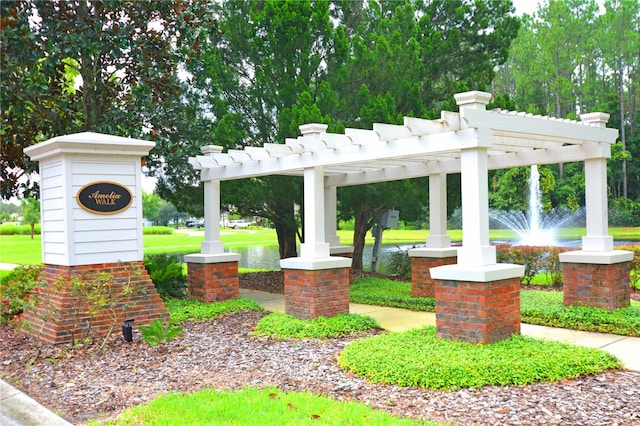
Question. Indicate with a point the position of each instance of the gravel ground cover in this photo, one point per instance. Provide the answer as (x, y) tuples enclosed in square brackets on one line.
[(82, 383)]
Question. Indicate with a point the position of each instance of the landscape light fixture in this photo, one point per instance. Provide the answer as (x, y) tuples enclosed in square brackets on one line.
[(127, 330)]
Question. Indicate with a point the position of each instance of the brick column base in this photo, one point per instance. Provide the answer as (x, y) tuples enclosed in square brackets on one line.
[(213, 282), (310, 294), (62, 315), (477, 312), (597, 285), (421, 283)]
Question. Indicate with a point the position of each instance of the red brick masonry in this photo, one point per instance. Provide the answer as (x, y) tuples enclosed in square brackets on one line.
[(213, 282), (311, 294), (59, 316), (477, 312), (421, 283), (597, 285)]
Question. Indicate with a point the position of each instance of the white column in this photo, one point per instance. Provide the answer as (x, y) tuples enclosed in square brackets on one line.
[(438, 237), (211, 243), (476, 250), (595, 176), (314, 245), (330, 216)]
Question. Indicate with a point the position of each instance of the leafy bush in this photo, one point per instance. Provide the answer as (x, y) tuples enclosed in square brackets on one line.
[(547, 308), (400, 264), (157, 230), (287, 326), (181, 310), (384, 292), (158, 332), (624, 212), (16, 291), (167, 273), (635, 263), (536, 260), (418, 358)]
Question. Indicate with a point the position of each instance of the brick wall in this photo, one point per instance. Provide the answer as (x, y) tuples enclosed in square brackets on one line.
[(477, 312), (213, 282), (601, 286), (60, 315), (310, 294), (421, 283)]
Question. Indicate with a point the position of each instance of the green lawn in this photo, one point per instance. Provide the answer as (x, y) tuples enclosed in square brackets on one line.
[(21, 249)]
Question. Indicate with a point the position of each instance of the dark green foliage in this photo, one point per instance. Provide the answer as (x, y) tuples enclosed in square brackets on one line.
[(536, 259), (181, 310), (624, 212), (157, 230), (158, 332), (16, 290), (167, 273), (547, 308), (635, 263), (384, 292), (418, 358), (285, 326)]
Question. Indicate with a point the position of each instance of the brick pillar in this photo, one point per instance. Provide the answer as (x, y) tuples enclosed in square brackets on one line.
[(605, 286), (421, 283), (477, 312), (212, 282), (310, 294), (345, 254), (60, 315)]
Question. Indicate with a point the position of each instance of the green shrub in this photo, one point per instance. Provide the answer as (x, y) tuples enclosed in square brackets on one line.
[(418, 358), (167, 273), (624, 212), (181, 310), (158, 332), (11, 229), (157, 230), (547, 308), (536, 260), (16, 291), (400, 264), (285, 326), (635, 263)]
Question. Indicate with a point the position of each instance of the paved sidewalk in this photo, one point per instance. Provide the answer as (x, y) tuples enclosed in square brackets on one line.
[(627, 349)]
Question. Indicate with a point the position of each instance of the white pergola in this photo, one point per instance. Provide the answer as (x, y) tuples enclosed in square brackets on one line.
[(470, 142)]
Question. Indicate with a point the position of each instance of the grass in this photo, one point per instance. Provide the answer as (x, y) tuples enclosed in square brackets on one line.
[(418, 358), (537, 307), (21, 249), (269, 406)]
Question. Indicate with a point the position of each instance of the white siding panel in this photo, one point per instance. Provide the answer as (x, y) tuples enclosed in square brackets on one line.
[(54, 226), (107, 168), (55, 259), (56, 181), (53, 237), (105, 257), (51, 194), (98, 247), (105, 236), (111, 225), (53, 215), (55, 248)]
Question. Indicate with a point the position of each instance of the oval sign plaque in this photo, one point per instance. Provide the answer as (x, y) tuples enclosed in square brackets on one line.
[(104, 197)]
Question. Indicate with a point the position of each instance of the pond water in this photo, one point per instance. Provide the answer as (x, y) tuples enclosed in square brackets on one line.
[(267, 257)]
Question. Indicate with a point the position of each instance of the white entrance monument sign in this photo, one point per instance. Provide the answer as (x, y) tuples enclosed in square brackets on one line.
[(91, 223)]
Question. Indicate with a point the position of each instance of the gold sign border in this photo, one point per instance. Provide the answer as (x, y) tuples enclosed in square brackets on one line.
[(102, 182)]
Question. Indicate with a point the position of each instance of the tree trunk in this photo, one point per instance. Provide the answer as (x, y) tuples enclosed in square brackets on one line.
[(33, 226), (364, 220)]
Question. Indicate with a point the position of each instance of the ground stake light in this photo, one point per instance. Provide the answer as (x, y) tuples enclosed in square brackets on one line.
[(127, 330)]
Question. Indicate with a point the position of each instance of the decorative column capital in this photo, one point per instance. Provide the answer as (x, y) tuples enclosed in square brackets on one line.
[(474, 99), (313, 129), (598, 119), (211, 149)]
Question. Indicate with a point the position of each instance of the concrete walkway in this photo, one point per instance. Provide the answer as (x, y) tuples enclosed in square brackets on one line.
[(627, 349), (17, 409)]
